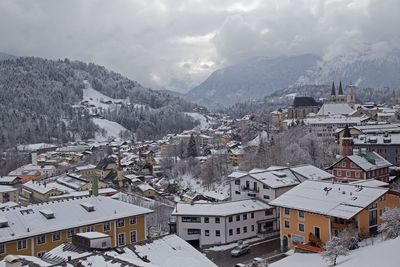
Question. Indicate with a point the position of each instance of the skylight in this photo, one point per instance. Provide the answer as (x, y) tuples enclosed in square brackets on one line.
[(87, 206)]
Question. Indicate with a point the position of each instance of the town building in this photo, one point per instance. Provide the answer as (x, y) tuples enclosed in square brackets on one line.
[(36, 229), (302, 107), (205, 224), (314, 211), (8, 193)]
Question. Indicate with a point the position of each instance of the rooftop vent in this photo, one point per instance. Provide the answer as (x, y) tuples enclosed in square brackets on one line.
[(26, 211), (3, 222), (87, 206), (387, 140), (279, 174), (48, 213)]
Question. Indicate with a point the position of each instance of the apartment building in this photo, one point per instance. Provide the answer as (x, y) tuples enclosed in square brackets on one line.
[(36, 229), (314, 211), (205, 224)]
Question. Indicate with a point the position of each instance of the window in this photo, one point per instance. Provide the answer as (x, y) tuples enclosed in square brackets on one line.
[(70, 232), (207, 232), (132, 220), (343, 163), (301, 227), (245, 229), (339, 173), (237, 218), (21, 244), (230, 232), (237, 192), (2, 249), (287, 225), (120, 223), (106, 227), (373, 218), (217, 233), (206, 220), (133, 237), (252, 215), (265, 186), (217, 220), (230, 219), (121, 239), (41, 239), (191, 219), (348, 174), (352, 165), (237, 182), (193, 231), (237, 231), (269, 212), (41, 253), (244, 216), (287, 211), (357, 174), (252, 228), (301, 214), (56, 236), (266, 197)]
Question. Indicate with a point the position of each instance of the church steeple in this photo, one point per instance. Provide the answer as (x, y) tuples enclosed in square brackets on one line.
[(340, 89), (333, 92)]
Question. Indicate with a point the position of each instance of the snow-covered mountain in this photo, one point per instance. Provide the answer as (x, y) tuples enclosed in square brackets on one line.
[(4, 56), (365, 67), (253, 78)]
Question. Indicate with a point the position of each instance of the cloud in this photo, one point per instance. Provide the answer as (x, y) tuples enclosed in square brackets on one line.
[(178, 43)]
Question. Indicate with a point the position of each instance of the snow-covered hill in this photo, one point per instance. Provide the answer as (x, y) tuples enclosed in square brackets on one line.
[(99, 100), (111, 128), (204, 124)]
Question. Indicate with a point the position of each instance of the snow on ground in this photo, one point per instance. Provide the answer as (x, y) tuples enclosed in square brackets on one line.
[(232, 245), (112, 128), (219, 190), (96, 98), (381, 254), (201, 118)]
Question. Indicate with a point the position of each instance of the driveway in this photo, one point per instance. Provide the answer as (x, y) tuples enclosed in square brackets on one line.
[(264, 249)]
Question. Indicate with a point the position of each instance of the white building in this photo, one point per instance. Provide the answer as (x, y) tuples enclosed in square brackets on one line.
[(203, 224), (8, 193)]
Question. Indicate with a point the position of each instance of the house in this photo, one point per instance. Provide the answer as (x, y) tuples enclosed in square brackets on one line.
[(163, 251), (105, 167), (36, 229), (361, 166), (42, 190), (235, 155), (87, 171), (205, 224), (302, 106), (147, 190), (261, 183), (314, 211), (8, 193), (9, 180)]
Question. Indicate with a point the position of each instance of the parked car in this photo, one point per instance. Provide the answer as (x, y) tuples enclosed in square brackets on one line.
[(240, 265), (240, 250)]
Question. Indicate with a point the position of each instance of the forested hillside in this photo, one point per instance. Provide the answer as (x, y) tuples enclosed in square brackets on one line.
[(37, 97)]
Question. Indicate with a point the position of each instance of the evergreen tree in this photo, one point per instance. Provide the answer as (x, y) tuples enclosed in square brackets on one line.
[(192, 147)]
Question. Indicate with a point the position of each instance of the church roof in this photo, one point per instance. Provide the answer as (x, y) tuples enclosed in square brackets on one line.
[(304, 101)]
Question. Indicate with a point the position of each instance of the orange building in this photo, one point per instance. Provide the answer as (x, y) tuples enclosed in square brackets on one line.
[(313, 211), (36, 229)]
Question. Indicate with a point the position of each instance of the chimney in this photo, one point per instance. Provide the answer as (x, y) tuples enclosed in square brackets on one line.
[(34, 158)]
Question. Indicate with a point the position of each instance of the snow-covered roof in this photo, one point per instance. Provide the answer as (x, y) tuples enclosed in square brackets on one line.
[(7, 188), (102, 191), (381, 139), (44, 187), (276, 179), (368, 161), (92, 235), (237, 174), (7, 179), (219, 208), (33, 147), (340, 120), (332, 199), (29, 221), (144, 187), (311, 172), (370, 183), (85, 167), (328, 109)]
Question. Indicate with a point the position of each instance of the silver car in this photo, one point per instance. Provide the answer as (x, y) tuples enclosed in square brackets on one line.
[(240, 250)]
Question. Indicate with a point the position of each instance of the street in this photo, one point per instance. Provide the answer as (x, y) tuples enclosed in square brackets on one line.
[(264, 249)]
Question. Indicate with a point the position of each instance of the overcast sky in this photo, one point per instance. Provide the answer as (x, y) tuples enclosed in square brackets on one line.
[(178, 43)]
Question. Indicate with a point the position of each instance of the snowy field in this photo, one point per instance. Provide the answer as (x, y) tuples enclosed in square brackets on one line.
[(201, 118), (218, 190), (383, 254), (96, 98), (112, 128)]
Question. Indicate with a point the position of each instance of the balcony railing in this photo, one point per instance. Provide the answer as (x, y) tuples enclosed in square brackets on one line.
[(252, 189)]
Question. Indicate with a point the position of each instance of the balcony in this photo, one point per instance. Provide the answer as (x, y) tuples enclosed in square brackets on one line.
[(250, 189)]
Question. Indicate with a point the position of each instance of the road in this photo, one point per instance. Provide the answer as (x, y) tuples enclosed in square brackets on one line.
[(263, 249)]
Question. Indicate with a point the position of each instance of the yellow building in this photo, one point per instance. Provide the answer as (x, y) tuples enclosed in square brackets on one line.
[(314, 211), (36, 229)]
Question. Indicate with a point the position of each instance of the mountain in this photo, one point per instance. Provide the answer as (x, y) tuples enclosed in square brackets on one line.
[(251, 79), (4, 56), (366, 67), (43, 101)]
